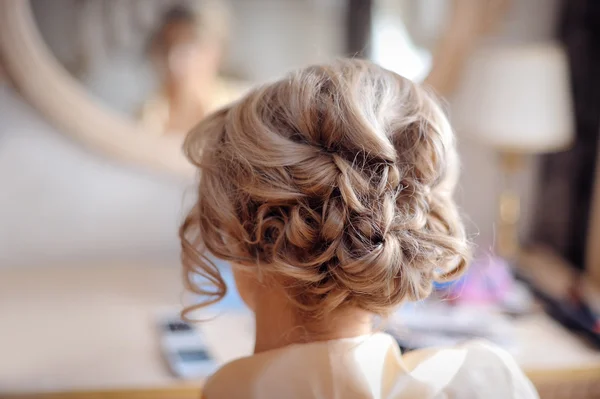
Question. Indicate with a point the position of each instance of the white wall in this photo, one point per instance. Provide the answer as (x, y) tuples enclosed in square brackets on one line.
[(284, 34), (59, 201)]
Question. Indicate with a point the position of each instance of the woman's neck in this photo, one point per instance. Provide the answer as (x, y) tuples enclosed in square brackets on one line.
[(278, 324)]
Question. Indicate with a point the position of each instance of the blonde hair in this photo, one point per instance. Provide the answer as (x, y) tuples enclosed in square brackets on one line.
[(337, 182)]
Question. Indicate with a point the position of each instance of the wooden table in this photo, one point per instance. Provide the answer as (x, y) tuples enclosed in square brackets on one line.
[(87, 328), (90, 330)]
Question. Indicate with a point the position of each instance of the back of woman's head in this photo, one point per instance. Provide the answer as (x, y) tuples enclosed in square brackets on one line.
[(336, 183)]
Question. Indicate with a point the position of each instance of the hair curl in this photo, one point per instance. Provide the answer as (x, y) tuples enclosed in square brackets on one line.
[(336, 180)]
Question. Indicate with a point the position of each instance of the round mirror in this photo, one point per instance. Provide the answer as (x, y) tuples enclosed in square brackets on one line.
[(130, 77)]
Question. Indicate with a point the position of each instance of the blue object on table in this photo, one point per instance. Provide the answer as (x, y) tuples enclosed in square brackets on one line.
[(232, 300)]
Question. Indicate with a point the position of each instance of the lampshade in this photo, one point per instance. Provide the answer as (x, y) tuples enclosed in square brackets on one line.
[(516, 99)]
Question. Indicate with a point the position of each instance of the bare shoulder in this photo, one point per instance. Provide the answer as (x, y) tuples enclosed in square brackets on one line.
[(230, 381), (235, 379)]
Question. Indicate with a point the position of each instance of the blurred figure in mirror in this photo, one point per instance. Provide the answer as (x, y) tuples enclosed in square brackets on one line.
[(186, 51)]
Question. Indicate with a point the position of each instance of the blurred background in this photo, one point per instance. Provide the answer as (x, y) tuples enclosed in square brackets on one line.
[(95, 99)]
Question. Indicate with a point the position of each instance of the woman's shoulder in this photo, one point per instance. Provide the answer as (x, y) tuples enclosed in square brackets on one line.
[(236, 378), (290, 370), (473, 370)]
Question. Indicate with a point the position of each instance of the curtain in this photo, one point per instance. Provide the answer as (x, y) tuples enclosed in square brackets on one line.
[(358, 27), (567, 178)]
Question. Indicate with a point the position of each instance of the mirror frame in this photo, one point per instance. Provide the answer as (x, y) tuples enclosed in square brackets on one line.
[(67, 104)]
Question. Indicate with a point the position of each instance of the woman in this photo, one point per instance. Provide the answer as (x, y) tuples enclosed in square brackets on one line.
[(330, 192)]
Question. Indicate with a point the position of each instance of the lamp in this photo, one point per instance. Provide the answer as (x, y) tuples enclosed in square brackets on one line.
[(517, 100)]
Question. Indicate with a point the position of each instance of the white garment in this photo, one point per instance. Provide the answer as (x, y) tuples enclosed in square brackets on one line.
[(372, 367)]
